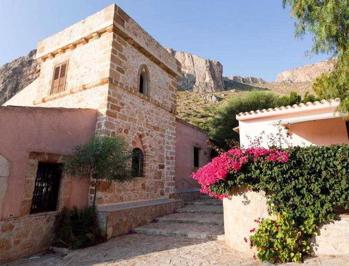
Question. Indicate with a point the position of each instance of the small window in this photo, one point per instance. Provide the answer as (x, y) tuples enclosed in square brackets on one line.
[(143, 81), (45, 195), (59, 78), (196, 157), (137, 162)]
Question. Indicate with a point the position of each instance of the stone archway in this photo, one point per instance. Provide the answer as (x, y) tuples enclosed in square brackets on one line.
[(4, 174)]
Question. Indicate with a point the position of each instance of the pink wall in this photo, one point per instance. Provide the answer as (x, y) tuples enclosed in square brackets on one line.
[(322, 132), (44, 130), (188, 136)]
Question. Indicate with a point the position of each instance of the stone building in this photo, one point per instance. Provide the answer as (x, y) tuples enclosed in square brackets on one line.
[(103, 75)]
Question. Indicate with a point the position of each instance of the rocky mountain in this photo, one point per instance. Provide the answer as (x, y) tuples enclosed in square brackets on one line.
[(247, 80), (199, 74), (204, 75), (18, 74), (307, 73)]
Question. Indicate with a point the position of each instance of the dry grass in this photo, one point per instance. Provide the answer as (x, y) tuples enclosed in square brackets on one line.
[(198, 109)]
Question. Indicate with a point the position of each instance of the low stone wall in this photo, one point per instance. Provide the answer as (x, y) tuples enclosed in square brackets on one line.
[(118, 219), (333, 238), (24, 236), (241, 211)]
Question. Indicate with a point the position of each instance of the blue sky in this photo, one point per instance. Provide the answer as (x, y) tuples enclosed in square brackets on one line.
[(254, 37)]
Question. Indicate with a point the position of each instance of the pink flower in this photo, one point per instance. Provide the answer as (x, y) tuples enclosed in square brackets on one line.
[(232, 161)]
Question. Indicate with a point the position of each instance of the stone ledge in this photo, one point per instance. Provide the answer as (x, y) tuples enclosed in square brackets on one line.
[(68, 92), (121, 218), (132, 205)]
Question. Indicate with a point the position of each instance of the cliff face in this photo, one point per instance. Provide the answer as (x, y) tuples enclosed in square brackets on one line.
[(247, 80), (16, 75), (307, 73), (199, 74)]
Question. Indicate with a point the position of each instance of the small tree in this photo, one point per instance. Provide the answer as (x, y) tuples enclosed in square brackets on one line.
[(101, 158)]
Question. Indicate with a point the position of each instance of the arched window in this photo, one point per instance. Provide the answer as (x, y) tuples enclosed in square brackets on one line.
[(137, 162), (143, 86)]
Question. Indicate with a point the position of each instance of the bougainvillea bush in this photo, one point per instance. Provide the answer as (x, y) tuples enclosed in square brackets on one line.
[(305, 188)]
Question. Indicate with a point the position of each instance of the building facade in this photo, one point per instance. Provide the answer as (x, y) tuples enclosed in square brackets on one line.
[(317, 123), (101, 76)]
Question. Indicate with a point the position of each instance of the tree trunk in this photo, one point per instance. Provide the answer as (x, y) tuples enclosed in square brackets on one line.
[(95, 190), (95, 195)]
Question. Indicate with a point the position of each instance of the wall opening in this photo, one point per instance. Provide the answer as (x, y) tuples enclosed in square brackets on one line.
[(143, 86), (196, 157), (46, 190), (137, 162)]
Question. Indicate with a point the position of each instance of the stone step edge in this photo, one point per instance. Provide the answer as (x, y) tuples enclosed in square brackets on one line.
[(115, 207), (203, 235), (173, 221), (197, 211), (205, 203)]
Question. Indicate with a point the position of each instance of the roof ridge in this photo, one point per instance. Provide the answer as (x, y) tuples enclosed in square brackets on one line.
[(289, 107)]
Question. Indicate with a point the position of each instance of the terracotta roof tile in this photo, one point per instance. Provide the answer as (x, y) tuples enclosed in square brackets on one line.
[(288, 108)]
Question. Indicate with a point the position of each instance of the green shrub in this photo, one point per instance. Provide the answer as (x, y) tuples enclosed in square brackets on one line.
[(280, 240), (77, 228), (305, 192)]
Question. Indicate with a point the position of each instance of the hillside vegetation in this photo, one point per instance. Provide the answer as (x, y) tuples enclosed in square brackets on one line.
[(200, 108)]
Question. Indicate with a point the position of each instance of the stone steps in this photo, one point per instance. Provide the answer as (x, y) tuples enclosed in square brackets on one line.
[(196, 231), (200, 219), (194, 208), (196, 218)]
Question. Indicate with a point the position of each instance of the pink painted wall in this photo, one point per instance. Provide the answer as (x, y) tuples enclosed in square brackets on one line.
[(322, 132), (188, 136), (47, 130)]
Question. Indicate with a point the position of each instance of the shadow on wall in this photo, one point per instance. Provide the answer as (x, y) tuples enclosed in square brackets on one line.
[(322, 132)]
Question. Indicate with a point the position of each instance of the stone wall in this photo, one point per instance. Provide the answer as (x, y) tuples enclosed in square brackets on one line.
[(88, 67), (104, 59), (333, 239), (104, 54), (118, 219), (145, 121), (240, 213), (244, 207), (20, 237)]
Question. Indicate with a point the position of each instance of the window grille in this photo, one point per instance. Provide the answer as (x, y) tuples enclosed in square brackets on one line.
[(45, 195)]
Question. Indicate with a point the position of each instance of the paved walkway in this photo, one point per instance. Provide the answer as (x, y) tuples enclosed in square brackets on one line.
[(188, 237), (138, 249)]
